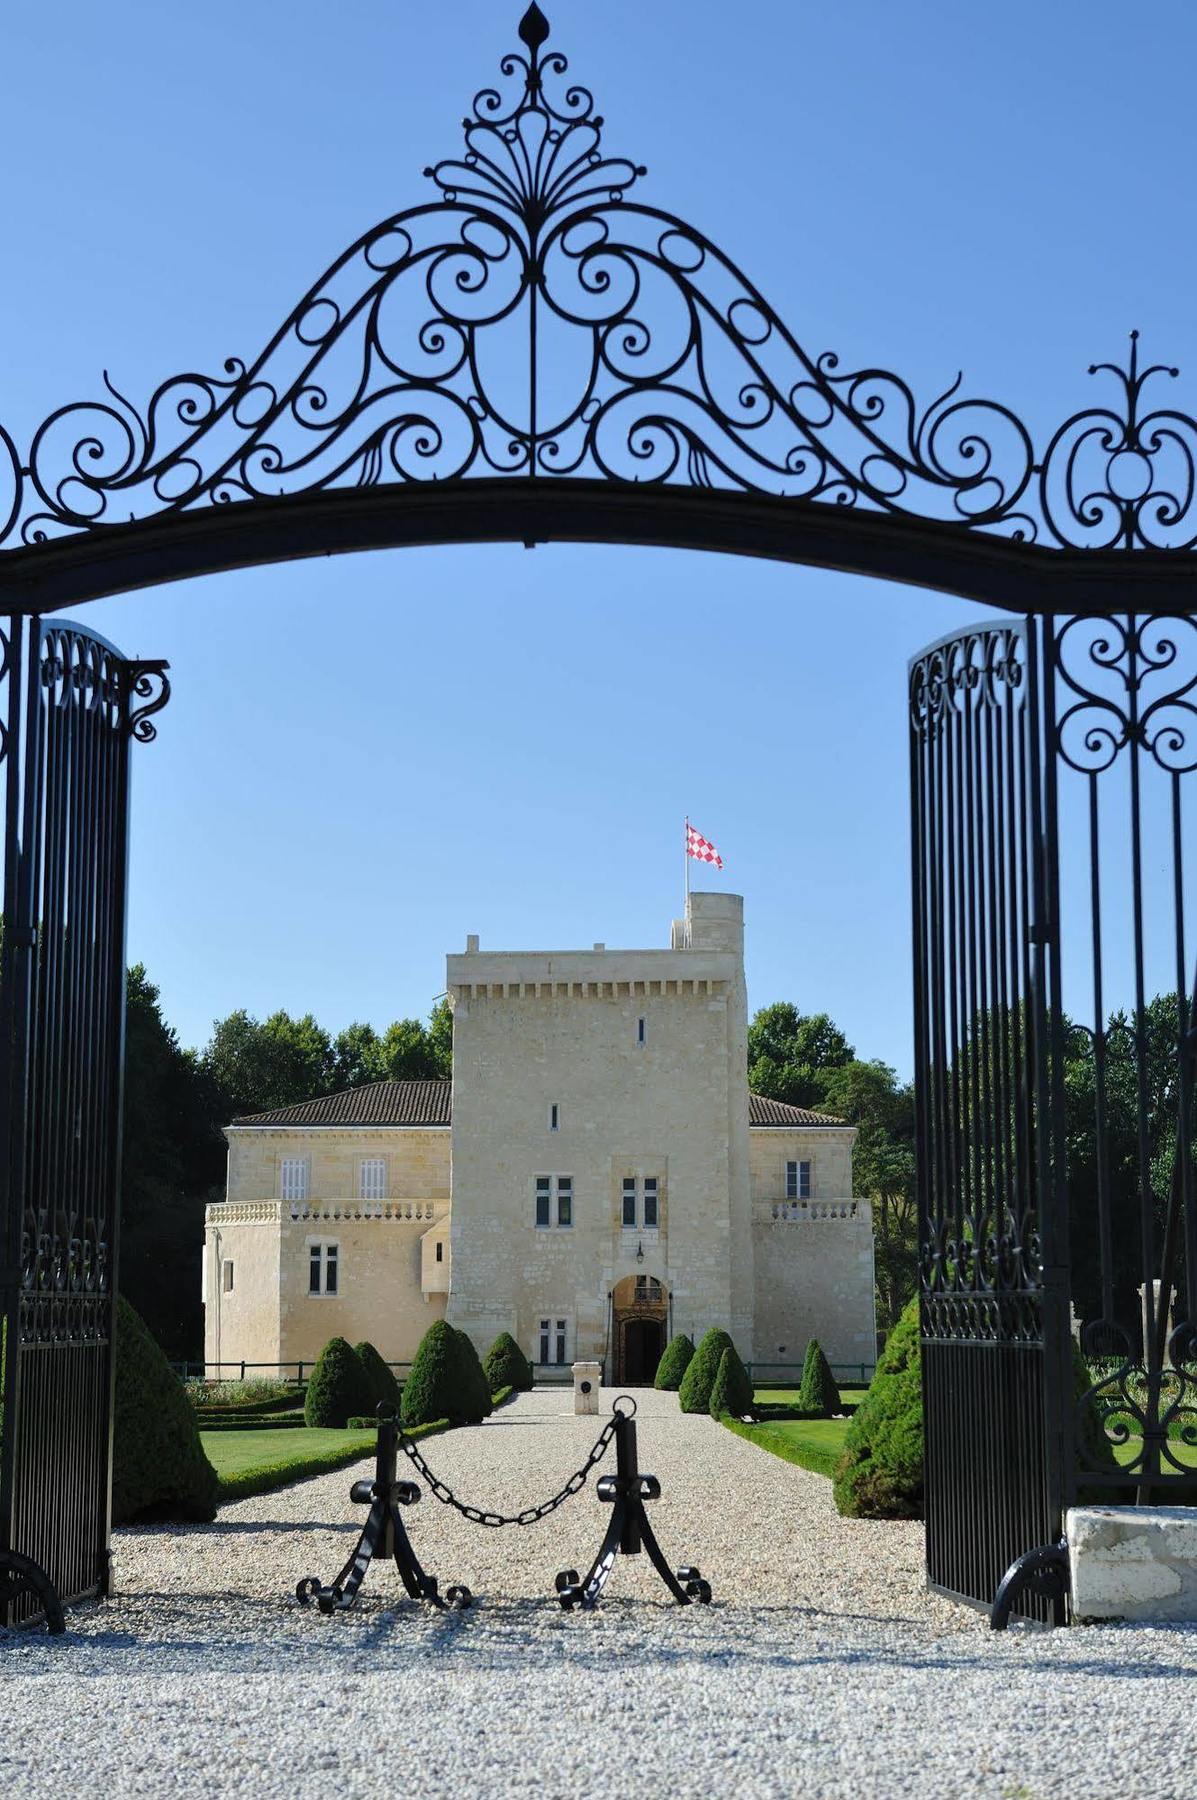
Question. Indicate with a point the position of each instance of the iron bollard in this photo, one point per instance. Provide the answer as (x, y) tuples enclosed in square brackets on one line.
[(629, 1531)]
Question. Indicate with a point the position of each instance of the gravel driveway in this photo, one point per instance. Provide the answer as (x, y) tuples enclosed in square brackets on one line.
[(822, 1669)]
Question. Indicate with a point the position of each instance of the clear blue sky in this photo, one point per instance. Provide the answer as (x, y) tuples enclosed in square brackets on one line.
[(368, 757)]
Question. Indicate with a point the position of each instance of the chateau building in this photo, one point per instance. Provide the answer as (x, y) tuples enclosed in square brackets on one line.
[(596, 1177)]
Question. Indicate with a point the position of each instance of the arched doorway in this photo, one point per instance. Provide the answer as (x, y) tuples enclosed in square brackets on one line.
[(639, 1323)]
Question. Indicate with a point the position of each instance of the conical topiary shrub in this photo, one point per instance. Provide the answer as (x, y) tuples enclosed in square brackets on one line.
[(732, 1392), (158, 1463), (694, 1395), (880, 1475), (475, 1388), (505, 1365), (384, 1389), (338, 1389), (433, 1389), (818, 1393), (678, 1356)]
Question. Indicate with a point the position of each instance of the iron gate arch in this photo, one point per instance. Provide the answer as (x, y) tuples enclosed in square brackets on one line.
[(662, 400)]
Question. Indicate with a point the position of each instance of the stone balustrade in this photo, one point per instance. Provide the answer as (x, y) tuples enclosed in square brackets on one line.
[(274, 1212), (795, 1212)]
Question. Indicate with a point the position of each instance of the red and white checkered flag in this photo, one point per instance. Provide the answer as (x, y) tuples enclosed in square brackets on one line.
[(701, 848)]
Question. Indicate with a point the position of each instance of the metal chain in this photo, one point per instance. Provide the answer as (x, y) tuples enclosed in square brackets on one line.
[(530, 1514)]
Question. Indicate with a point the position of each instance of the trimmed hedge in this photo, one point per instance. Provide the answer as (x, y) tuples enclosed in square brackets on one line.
[(433, 1386), (732, 1392), (818, 1394), (475, 1387), (694, 1395), (505, 1365), (679, 1354), (881, 1473), (338, 1388), (158, 1463), (381, 1382)]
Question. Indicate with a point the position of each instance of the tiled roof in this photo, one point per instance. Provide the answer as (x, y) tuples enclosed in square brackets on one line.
[(380, 1103), (775, 1112), (431, 1103)]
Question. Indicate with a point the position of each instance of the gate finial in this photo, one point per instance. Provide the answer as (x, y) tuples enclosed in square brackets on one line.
[(534, 28)]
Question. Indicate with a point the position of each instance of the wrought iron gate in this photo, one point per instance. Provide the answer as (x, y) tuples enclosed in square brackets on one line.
[(72, 706), (1055, 1077), (985, 955)]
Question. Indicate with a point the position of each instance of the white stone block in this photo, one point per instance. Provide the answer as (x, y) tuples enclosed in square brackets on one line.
[(1133, 1562), (588, 1379)]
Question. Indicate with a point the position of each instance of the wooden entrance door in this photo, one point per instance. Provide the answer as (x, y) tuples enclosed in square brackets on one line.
[(643, 1344)]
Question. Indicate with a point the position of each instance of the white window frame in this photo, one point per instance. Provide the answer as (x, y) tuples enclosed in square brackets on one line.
[(554, 1189), (320, 1252), (635, 1186), (294, 1179), (553, 1347), (374, 1188), (795, 1180)]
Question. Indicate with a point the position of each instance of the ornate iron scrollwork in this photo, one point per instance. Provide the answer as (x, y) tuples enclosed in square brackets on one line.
[(538, 319)]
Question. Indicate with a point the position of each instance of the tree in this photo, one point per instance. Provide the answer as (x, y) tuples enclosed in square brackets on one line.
[(158, 1463), (505, 1365), (694, 1395), (172, 1166), (405, 1052), (870, 1096), (256, 1066), (676, 1360), (357, 1057), (339, 1389), (440, 1038), (791, 1054)]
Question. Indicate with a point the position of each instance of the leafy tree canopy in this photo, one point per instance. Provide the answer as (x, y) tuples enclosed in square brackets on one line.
[(790, 1054)]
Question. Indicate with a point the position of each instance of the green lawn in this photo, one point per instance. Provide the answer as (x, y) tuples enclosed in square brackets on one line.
[(815, 1444), (255, 1462), (851, 1397)]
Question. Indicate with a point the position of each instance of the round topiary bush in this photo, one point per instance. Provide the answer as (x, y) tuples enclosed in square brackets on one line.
[(505, 1365), (880, 1475), (475, 1388), (679, 1354), (433, 1389), (732, 1392), (818, 1393), (338, 1387), (384, 1389), (694, 1395), (158, 1463)]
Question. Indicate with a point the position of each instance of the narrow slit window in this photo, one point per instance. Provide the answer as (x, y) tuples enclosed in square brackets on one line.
[(650, 1202), (629, 1202), (641, 1031), (227, 1278), (553, 1116), (440, 1250)]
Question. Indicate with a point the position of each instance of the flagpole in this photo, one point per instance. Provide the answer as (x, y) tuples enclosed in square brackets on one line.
[(686, 864)]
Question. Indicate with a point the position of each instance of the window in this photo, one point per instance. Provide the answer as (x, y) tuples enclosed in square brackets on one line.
[(798, 1181), (372, 1178), (553, 1334), (226, 1277), (563, 1186), (440, 1250), (323, 1268), (293, 1178), (553, 1116), (641, 1202), (560, 1341), (641, 1031)]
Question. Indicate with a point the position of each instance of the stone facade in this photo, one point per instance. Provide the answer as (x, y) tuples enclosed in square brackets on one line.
[(605, 1180), (1133, 1562)]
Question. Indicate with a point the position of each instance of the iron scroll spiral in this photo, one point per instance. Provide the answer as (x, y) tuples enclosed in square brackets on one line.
[(643, 355)]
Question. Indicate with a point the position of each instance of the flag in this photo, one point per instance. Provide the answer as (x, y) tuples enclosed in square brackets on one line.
[(701, 848)]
